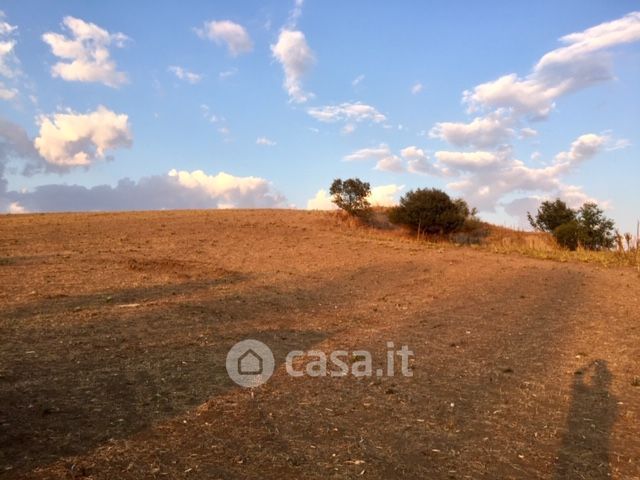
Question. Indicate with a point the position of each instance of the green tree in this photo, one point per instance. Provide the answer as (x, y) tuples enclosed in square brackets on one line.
[(551, 215), (429, 211), (596, 230), (351, 196)]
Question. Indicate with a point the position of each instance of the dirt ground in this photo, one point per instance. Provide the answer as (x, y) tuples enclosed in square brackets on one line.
[(115, 330)]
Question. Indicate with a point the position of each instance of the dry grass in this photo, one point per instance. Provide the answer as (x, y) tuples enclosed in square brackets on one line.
[(498, 240), (543, 246)]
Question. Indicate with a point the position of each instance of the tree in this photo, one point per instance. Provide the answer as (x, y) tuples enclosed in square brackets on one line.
[(596, 230), (551, 215), (430, 211), (351, 196)]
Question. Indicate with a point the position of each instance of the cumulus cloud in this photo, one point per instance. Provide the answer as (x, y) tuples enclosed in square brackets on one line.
[(73, 139), (582, 62), (481, 132), (85, 53), (583, 148), (226, 32), (176, 190), (382, 195), (265, 141), (351, 112), (489, 176), (321, 201), (184, 74), (418, 161), (16, 208), (392, 163), (296, 58), (385, 195), (416, 88)]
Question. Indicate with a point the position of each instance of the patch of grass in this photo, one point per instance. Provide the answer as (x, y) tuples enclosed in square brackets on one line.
[(543, 246)]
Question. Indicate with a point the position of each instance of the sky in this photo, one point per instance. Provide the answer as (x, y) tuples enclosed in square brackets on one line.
[(258, 104)]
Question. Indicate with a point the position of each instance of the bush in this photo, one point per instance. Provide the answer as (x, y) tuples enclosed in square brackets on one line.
[(568, 234), (586, 227), (351, 196), (551, 215), (430, 211)]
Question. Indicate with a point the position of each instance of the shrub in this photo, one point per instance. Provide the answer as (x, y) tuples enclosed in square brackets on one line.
[(568, 234), (351, 196), (551, 215), (430, 211)]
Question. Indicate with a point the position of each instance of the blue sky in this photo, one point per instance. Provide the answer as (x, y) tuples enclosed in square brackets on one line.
[(168, 97)]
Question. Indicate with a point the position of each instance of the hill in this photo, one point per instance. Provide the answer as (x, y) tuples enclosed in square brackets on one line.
[(116, 327)]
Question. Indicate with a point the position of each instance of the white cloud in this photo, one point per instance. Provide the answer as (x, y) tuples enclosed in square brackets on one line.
[(385, 195), (7, 93), (176, 190), (233, 35), (86, 53), (184, 74), (418, 161), (377, 153), (482, 132), (527, 132), (492, 175), (15, 207), (322, 201), (351, 112), (468, 160), (265, 141), (9, 63), (392, 163), (295, 14), (584, 61), (416, 88), (357, 81), (296, 59), (225, 188), (73, 139), (618, 144), (583, 148)]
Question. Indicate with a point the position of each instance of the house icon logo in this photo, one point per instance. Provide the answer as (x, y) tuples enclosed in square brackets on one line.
[(250, 363)]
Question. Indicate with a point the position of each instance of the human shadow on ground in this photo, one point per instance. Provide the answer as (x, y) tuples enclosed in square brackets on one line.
[(585, 446)]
